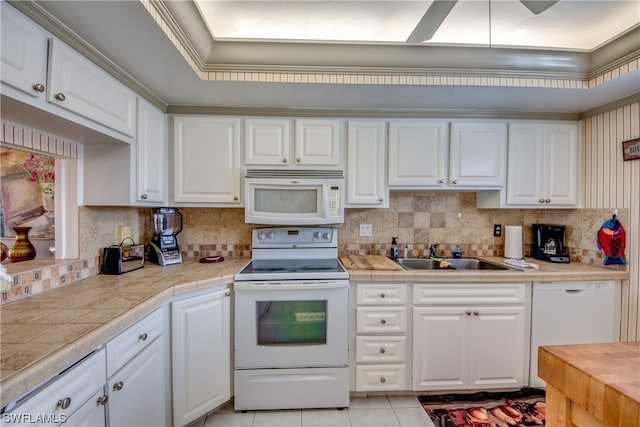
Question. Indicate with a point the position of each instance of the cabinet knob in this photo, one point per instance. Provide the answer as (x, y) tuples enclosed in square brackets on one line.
[(454, 182), (227, 293), (102, 400), (383, 380), (118, 386), (60, 96), (64, 403), (382, 350), (143, 336), (476, 313), (541, 201), (442, 181), (298, 159), (284, 160), (468, 312), (383, 322), (381, 199), (38, 87), (383, 295), (547, 200), (144, 197), (235, 198)]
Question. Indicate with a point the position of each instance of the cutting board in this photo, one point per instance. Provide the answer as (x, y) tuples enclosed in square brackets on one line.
[(369, 262)]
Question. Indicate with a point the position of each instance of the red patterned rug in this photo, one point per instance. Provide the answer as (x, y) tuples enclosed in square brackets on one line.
[(525, 407)]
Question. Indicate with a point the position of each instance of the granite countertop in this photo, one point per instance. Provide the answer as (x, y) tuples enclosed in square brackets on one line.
[(42, 334), (603, 379)]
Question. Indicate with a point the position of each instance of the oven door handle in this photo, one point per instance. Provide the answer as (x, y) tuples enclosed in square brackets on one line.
[(293, 285)]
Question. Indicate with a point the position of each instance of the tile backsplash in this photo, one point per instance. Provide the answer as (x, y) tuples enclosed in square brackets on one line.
[(415, 218)]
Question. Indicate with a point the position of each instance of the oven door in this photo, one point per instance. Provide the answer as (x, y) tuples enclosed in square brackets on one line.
[(291, 324)]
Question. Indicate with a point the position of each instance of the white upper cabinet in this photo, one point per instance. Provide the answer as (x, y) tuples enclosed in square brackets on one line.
[(24, 53), (477, 154), (151, 155), (80, 86), (366, 160), (206, 160), (267, 142), (317, 142), (417, 153), (543, 165)]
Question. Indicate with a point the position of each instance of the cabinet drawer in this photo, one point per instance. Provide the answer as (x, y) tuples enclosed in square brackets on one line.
[(132, 340), (381, 377), (376, 349), (381, 293), (469, 293), (381, 320), (63, 396)]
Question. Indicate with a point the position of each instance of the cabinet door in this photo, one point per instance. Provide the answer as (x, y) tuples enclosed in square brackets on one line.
[(138, 392), (206, 154), (417, 153), (497, 347), (477, 154), (317, 142), (440, 348), (24, 53), (562, 165), (366, 164), (151, 155), (266, 142), (525, 180), (78, 85), (201, 350)]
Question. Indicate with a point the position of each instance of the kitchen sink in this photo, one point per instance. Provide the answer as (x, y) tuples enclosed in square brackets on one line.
[(454, 264)]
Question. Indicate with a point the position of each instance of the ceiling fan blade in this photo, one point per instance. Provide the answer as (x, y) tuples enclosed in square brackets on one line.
[(431, 20), (538, 6)]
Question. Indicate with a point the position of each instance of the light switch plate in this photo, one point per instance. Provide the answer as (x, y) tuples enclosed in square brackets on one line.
[(366, 230)]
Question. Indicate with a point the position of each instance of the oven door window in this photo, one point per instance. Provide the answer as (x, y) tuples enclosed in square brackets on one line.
[(292, 322)]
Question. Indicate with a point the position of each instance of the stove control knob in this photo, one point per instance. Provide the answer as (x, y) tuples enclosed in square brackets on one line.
[(325, 236)]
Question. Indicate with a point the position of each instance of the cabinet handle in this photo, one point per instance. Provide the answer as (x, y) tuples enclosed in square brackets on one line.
[(468, 312), (381, 199), (284, 160), (383, 380), (382, 350), (298, 159), (118, 386), (476, 313), (143, 336), (102, 400), (547, 201), (144, 197), (60, 96), (454, 182), (383, 295), (227, 293), (442, 181), (382, 321), (64, 403), (38, 87), (235, 198)]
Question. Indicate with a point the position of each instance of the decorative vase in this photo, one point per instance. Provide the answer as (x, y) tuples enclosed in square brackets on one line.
[(22, 249), (48, 196)]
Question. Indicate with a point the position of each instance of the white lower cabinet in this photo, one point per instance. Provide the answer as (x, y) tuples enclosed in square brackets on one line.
[(381, 343), (201, 354), (76, 394), (468, 337), (138, 391)]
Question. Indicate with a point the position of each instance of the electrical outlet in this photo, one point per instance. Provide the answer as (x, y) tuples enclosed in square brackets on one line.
[(497, 230), (123, 232), (366, 230)]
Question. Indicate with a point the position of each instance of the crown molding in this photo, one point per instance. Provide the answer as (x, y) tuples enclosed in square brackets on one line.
[(631, 99)]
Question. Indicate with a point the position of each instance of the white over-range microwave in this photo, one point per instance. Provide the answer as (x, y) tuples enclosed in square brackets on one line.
[(294, 197)]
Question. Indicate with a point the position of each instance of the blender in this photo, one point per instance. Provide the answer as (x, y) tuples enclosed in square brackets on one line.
[(163, 247)]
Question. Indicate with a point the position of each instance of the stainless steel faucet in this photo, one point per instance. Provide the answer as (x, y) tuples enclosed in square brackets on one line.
[(432, 249)]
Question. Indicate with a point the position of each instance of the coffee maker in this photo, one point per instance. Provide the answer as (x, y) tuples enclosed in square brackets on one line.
[(163, 247), (548, 243)]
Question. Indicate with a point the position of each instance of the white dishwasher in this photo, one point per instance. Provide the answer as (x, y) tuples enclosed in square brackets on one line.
[(572, 313)]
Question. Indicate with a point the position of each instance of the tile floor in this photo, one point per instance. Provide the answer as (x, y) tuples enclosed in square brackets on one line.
[(376, 411)]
